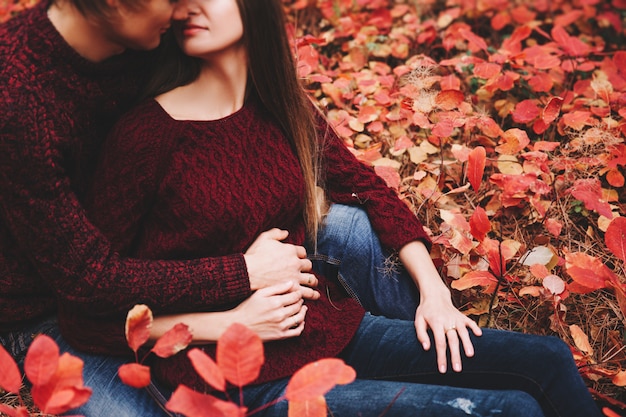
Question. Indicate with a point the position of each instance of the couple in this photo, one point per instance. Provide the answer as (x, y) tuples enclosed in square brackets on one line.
[(208, 187)]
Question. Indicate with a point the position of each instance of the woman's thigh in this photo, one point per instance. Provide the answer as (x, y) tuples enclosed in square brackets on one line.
[(539, 365)]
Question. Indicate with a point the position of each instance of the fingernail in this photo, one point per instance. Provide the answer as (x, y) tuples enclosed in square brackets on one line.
[(442, 369), (457, 367)]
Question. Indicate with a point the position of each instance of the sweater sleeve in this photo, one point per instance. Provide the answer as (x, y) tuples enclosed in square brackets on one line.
[(72, 255), (349, 181)]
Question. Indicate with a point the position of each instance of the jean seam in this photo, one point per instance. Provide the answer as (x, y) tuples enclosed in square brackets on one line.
[(325, 258), (532, 381), (348, 289)]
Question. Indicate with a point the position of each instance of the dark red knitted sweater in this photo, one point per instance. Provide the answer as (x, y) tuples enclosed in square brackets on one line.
[(185, 189), (55, 109)]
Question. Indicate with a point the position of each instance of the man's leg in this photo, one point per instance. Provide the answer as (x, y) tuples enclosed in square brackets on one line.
[(110, 397), (349, 250)]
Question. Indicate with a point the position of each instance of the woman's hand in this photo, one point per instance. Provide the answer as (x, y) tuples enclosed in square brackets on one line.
[(274, 313), (271, 261), (450, 329), (436, 311)]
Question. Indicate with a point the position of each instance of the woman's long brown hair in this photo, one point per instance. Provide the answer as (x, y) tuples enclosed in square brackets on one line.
[(272, 74)]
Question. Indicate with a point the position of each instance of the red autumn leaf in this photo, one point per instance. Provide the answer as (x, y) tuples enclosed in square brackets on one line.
[(552, 110), (135, 375), (620, 62), (545, 61), (443, 128), (545, 146), (576, 119), (586, 270), (610, 413), (20, 411), (389, 174), (615, 237), (42, 360), (479, 224), (471, 37), (65, 390), (476, 166), (554, 227), (315, 407), (487, 70), (474, 279), (173, 341), (449, 99), (138, 323), (525, 111), (541, 82), (194, 404), (240, 354), (568, 18), (207, 369), (10, 377), (589, 191), (570, 44), (317, 378)]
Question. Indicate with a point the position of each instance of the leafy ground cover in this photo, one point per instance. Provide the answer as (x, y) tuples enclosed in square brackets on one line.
[(502, 124)]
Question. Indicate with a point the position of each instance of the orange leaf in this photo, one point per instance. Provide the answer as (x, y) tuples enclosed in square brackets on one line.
[(138, 323), (314, 407), (449, 99), (317, 378), (476, 278), (240, 354), (615, 178), (10, 377), (580, 339), (479, 224), (194, 404), (610, 413), (41, 360), (476, 166), (173, 341), (620, 62), (615, 237), (513, 141), (135, 375), (207, 369)]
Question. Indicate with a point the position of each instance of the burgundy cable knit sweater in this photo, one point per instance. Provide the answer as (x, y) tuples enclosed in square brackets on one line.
[(184, 189), (55, 109)]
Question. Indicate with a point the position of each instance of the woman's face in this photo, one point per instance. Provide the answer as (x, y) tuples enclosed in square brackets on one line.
[(211, 27), (141, 28)]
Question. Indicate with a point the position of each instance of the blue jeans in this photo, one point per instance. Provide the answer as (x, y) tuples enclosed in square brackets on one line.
[(349, 250), (512, 375), (110, 396)]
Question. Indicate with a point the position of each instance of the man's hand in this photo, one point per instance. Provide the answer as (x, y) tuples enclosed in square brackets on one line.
[(271, 261)]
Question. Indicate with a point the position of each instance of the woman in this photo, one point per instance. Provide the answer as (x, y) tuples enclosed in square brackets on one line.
[(231, 147)]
